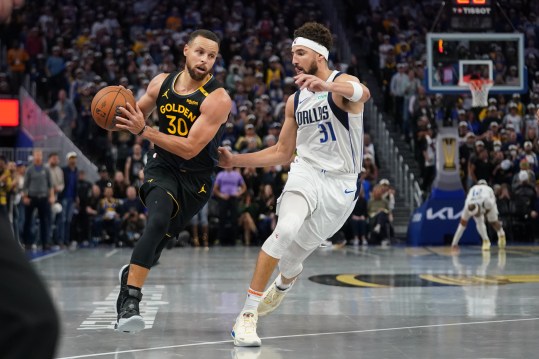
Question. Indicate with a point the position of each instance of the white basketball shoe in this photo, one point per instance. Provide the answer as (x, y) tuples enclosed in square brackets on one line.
[(272, 298), (244, 331), (501, 241)]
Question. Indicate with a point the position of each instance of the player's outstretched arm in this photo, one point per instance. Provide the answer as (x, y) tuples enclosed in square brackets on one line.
[(348, 93), (279, 153), (346, 87)]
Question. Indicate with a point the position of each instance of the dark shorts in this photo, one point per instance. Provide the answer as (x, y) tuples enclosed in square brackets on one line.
[(189, 191)]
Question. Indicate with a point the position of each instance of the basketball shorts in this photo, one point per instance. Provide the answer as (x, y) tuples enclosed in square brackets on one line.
[(189, 191), (331, 198), (491, 214)]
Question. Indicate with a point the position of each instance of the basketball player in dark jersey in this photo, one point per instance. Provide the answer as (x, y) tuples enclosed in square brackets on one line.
[(193, 108)]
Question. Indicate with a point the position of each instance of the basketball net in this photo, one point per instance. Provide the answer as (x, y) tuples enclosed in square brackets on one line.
[(480, 89)]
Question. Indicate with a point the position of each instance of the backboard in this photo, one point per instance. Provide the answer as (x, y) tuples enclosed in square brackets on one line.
[(454, 57)]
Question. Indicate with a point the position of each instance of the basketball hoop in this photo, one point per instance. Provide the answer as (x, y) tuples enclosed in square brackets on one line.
[(479, 89)]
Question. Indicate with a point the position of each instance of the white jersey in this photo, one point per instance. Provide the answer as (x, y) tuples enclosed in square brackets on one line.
[(482, 196), (329, 138)]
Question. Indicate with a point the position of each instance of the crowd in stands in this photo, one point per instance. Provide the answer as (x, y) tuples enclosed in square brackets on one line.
[(70, 50), (498, 142)]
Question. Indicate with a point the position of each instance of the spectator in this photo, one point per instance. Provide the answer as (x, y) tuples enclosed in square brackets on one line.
[(55, 67), (134, 164), (249, 214), (5, 185), (68, 198), (371, 170), (267, 207), (229, 186), (64, 113), (17, 58), (243, 142), (524, 166), (104, 179), (81, 221), (131, 229), (525, 197), (38, 193), (120, 184), (378, 210), (109, 207), (57, 177), (18, 207), (399, 83), (201, 219), (358, 220), (92, 209), (514, 118), (428, 149), (466, 151)]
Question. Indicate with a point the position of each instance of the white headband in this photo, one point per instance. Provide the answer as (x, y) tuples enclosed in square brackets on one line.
[(315, 46)]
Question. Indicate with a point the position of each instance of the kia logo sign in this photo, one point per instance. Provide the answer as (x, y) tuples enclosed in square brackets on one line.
[(443, 214)]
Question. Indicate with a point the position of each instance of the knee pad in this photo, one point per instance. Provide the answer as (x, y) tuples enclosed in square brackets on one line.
[(286, 230), (291, 264)]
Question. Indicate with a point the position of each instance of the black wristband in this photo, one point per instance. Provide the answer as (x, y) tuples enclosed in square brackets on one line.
[(142, 131)]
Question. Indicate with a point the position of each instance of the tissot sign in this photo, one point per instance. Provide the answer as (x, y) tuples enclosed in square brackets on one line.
[(436, 220)]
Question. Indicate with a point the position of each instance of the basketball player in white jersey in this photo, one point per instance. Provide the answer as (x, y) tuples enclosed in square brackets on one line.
[(324, 122), (480, 202)]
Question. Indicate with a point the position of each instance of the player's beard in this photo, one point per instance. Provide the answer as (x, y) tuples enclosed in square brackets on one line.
[(195, 75), (312, 70)]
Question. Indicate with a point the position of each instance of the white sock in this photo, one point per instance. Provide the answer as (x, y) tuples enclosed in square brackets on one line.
[(282, 286), (253, 299), (501, 233)]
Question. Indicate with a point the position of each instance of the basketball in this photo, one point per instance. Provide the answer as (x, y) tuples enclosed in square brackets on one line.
[(105, 105)]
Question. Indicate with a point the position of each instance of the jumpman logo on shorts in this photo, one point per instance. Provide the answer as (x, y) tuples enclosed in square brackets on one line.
[(203, 189), (166, 94)]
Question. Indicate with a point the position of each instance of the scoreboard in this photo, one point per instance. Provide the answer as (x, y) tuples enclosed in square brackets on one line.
[(471, 15)]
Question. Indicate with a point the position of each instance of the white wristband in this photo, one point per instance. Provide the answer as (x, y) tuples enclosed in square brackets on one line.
[(358, 92)]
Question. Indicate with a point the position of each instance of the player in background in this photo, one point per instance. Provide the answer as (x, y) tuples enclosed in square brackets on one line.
[(480, 203)]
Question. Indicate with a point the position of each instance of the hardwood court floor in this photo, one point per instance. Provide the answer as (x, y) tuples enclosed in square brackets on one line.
[(350, 303)]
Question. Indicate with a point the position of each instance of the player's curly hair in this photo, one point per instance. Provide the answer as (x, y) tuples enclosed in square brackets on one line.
[(316, 32)]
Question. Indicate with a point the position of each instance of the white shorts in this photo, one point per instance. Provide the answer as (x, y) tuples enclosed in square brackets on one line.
[(491, 214), (331, 198)]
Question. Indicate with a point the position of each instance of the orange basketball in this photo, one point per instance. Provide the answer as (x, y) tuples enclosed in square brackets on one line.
[(105, 105)]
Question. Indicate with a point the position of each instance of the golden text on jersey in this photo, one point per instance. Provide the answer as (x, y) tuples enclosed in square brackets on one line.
[(177, 115)]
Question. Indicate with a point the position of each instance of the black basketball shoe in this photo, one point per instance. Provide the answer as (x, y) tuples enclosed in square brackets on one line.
[(129, 318), (122, 277)]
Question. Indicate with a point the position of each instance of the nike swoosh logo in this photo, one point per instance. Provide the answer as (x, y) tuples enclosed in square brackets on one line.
[(346, 191)]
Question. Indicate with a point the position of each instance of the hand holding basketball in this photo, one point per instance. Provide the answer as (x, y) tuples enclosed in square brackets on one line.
[(106, 103), (131, 118)]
